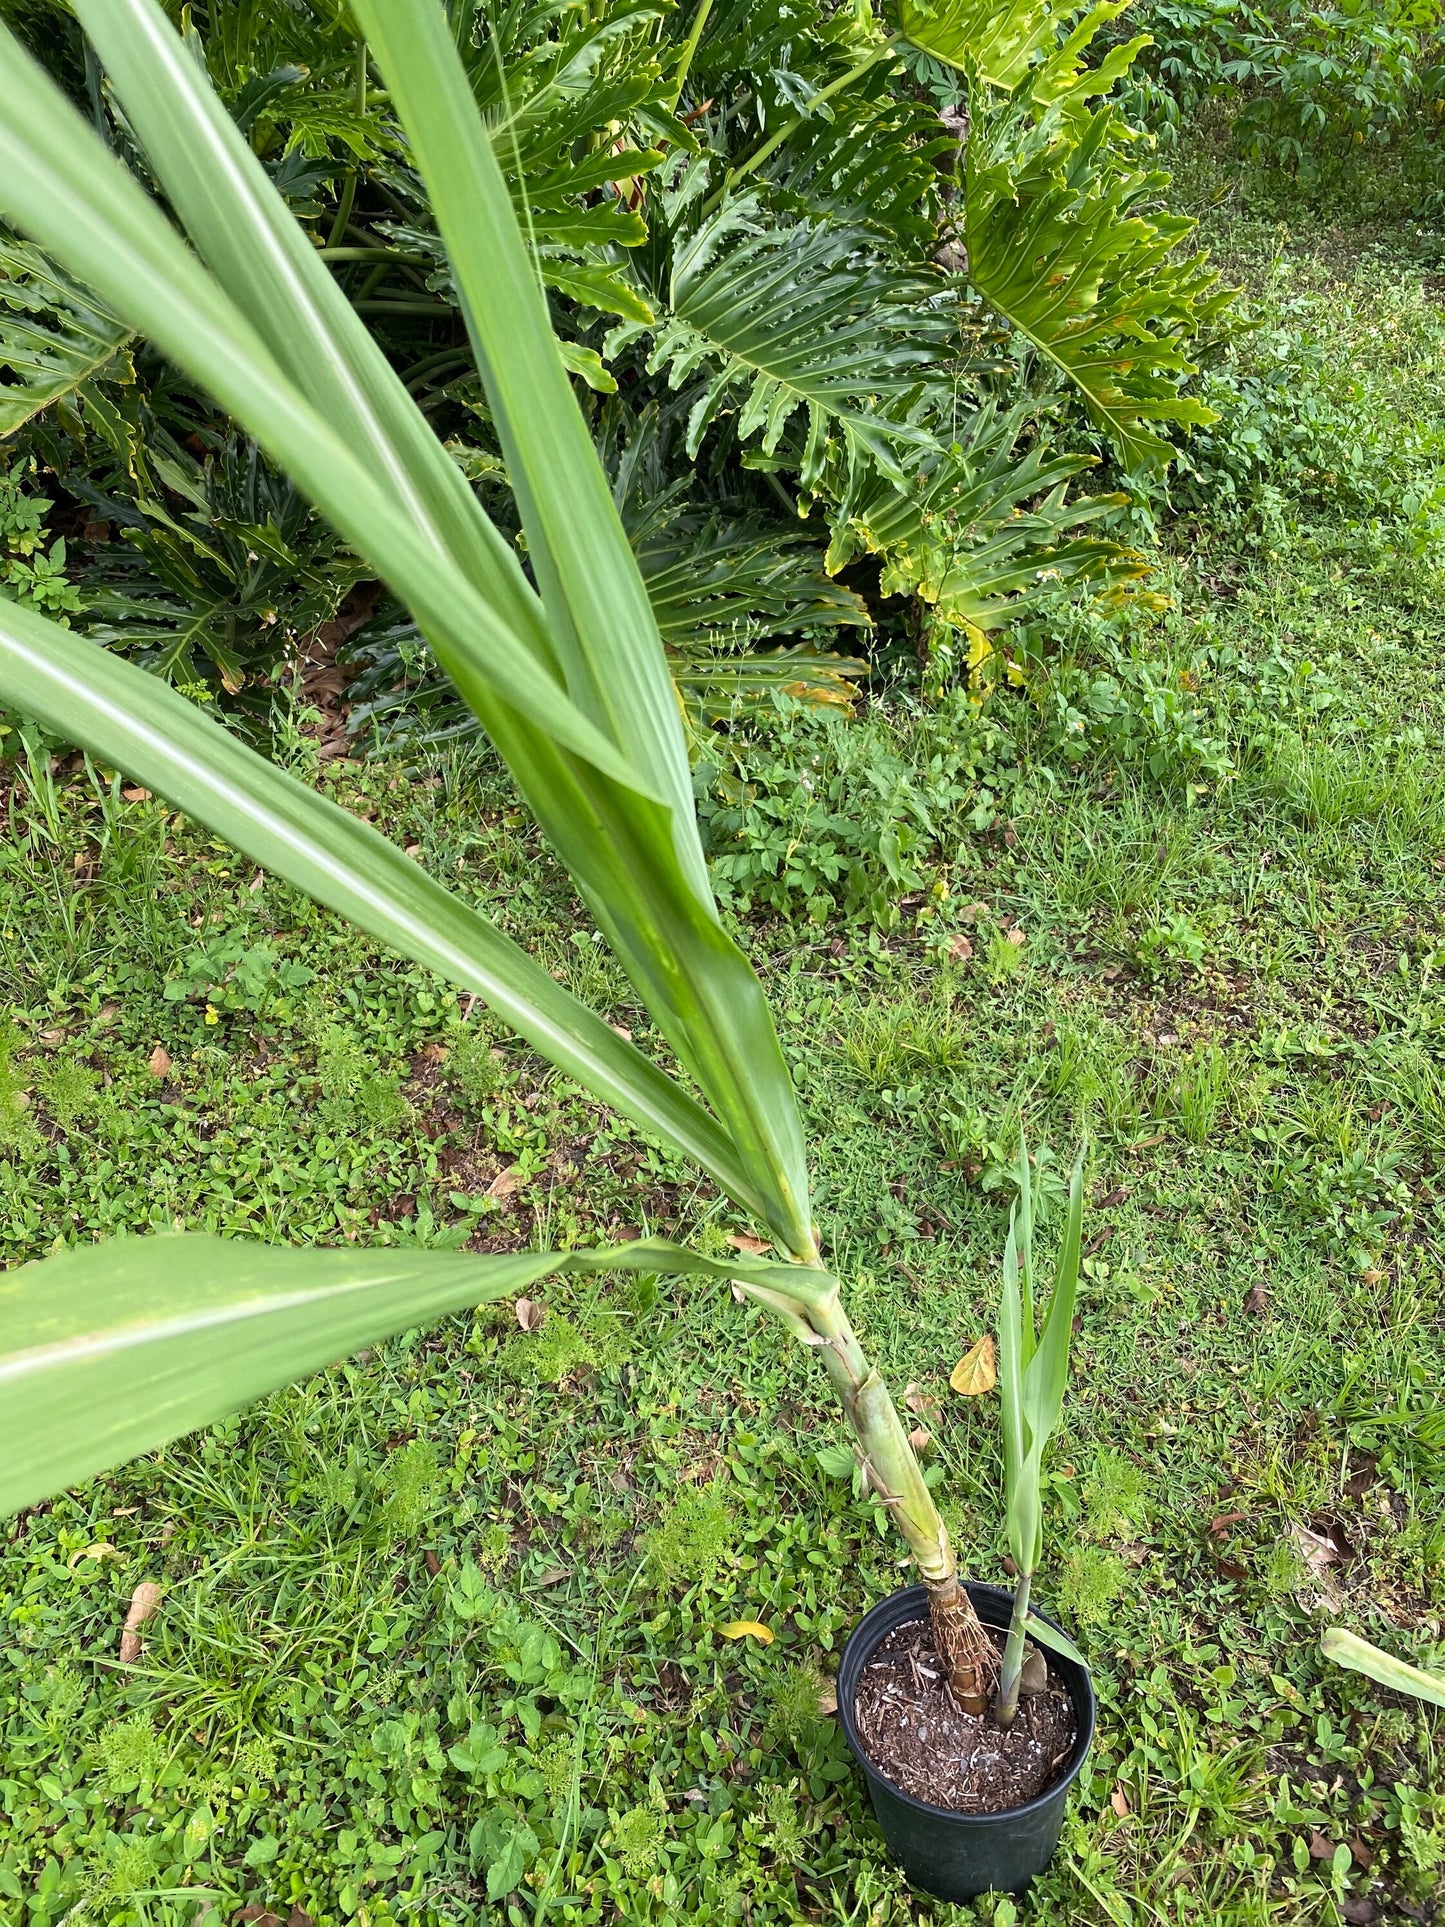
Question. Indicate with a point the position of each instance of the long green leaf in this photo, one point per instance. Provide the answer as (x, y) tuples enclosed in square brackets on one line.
[(1348, 1649), (61, 185), (114, 1349), (1057, 1642), (635, 859), (137, 723), (1021, 1478), (1048, 1372), (597, 609)]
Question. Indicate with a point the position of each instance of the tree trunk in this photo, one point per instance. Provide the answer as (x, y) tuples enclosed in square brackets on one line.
[(896, 1478)]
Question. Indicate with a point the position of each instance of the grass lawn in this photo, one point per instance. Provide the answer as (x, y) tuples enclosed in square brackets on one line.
[(448, 1631)]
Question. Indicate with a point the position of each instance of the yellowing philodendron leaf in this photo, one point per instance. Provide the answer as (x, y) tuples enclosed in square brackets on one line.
[(977, 1371), (747, 1629)]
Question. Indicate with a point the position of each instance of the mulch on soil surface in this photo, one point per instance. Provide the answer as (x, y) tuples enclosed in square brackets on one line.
[(916, 1733)]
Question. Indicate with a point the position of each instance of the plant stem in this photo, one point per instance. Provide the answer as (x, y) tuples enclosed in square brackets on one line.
[(1007, 1703), (895, 1476), (689, 48)]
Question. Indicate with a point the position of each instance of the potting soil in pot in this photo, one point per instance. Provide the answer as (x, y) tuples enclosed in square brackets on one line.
[(917, 1734)]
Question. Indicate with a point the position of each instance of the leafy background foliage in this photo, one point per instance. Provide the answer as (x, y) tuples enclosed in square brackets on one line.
[(444, 1620), (788, 275)]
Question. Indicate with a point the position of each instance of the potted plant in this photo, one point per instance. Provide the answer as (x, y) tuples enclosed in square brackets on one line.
[(113, 1349), (972, 1798)]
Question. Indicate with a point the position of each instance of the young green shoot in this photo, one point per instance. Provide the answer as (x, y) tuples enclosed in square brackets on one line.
[(1033, 1370)]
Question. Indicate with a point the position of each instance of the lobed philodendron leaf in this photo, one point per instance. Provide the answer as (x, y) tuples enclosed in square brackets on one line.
[(1348, 1649), (54, 335), (114, 1349), (996, 41)]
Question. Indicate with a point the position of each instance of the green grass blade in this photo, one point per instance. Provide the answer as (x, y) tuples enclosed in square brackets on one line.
[(111, 1350), (598, 612), (61, 186), (137, 723), (1348, 1649)]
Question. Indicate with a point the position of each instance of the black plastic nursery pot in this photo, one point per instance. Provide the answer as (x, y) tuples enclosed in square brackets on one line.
[(957, 1855)]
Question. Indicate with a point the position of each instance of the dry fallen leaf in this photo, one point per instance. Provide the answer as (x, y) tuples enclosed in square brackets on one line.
[(828, 1700), (747, 1629), (1014, 936), (107, 1013), (1225, 1520), (959, 948), (160, 1062), (1321, 1848), (622, 1031), (553, 1576), (976, 1372), (1034, 1673), (143, 1602), (529, 1313), (1256, 1301), (102, 1549), (754, 1247), (1119, 1801), (505, 1183), (922, 1404), (136, 795), (920, 1439)]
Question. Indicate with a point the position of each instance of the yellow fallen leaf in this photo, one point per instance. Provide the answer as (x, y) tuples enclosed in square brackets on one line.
[(102, 1549), (748, 1629), (975, 1373)]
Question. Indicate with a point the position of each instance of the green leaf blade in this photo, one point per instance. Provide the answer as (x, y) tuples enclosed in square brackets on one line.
[(108, 1351)]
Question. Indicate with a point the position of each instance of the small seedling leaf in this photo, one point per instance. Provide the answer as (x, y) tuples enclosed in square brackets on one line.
[(836, 1461), (1057, 1642)]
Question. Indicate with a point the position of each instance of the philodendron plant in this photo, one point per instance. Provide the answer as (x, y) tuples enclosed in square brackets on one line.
[(114, 1349), (1033, 1369)]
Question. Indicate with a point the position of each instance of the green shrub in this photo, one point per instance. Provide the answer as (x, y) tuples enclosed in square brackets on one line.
[(815, 816)]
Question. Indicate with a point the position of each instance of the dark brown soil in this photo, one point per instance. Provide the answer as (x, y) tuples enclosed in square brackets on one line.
[(915, 1732)]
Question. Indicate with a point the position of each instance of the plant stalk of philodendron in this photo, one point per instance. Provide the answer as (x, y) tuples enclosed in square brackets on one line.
[(109, 1352), (1033, 1371)]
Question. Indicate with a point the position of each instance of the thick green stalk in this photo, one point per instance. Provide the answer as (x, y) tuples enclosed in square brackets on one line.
[(1011, 1672), (689, 49), (896, 1478)]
